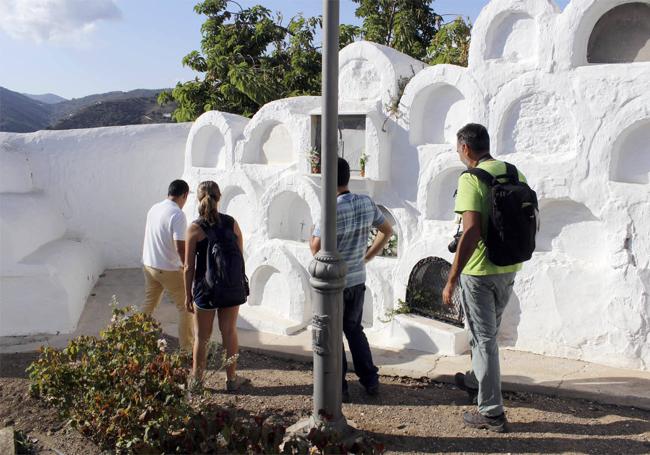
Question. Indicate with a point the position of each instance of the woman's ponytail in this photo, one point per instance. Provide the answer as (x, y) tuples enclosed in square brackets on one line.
[(209, 195)]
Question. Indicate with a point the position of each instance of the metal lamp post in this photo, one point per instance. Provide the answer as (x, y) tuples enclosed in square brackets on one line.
[(328, 269)]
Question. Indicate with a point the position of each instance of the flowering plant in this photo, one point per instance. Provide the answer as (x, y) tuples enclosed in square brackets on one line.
[(363, 159), (314, 160)]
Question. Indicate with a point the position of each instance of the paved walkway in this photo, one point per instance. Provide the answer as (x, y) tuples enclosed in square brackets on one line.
[(521, 371)]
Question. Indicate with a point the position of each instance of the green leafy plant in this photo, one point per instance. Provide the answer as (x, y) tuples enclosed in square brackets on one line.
[(24, 445), (123, 389), (126, 391), (402, 307), (451, 43)]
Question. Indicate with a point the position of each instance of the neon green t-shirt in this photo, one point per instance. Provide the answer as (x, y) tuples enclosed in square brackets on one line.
[(472, 196)]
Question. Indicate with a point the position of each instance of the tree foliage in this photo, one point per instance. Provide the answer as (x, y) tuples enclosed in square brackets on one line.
[(451, 43), (405, 25), (249, 57)]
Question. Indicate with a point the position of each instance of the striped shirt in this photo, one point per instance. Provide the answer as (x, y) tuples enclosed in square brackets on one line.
[(355, 215)]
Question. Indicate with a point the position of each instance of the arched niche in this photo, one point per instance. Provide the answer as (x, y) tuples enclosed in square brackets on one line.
[(437, 114), (359, 80), (631, 155), (392, 247), (236, 203), (538, 124), (280, 299), (289, 218), (270, 144), (440, 194), (621, 35), (424, 291), (559, 217), (270, 288), (512, 37), (208, 148)]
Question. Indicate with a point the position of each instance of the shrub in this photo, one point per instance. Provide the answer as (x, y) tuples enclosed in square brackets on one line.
[(123, 389), (128, 393)]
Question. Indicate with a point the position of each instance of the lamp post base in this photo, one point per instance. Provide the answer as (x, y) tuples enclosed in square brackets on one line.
[(341, 431)]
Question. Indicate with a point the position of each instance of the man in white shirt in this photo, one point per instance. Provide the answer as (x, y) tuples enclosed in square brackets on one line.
[(163, 255)]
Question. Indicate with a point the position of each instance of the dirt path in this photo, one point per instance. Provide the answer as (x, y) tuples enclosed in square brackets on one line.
[(409, 416)]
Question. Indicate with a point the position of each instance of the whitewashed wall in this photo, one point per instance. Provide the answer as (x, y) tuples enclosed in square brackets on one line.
[(73, 203), (579, 131)]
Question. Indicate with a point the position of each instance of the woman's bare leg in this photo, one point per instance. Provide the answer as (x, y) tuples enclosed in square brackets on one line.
[(228, 328), (203, 321)]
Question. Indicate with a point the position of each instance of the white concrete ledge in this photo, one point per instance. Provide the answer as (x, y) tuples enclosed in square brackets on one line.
[(410, 331)]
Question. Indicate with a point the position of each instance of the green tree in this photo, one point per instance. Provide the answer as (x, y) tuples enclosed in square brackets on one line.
[(247, 59), (451, 43), (405, 25)]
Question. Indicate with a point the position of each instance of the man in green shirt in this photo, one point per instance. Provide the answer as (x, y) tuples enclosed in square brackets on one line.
[(485, 287)]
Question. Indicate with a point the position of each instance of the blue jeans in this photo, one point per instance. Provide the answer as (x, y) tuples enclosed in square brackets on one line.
[(357, 341)]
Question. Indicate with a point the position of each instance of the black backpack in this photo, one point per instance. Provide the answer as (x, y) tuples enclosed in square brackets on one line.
[(513, 217), (225, 278)]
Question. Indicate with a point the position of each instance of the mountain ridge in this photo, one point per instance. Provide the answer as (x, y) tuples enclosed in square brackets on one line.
[(22, 113)]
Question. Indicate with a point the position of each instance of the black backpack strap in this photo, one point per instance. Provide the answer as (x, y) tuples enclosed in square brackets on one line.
[(482, 175), (207, 229), (227, 221), (511, 174)]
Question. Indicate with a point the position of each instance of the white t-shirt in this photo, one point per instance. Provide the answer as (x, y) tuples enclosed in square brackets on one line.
[(165, 223)]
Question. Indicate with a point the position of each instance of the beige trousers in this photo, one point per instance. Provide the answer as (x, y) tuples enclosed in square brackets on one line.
[(157, 281)]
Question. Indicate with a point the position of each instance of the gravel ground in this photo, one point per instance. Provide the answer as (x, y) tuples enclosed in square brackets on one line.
[(409, 416)]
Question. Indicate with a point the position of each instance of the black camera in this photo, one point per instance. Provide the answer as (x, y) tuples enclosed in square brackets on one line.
[(453, 245)]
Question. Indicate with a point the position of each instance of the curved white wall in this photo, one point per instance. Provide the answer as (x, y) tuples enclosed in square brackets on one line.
[(74, 203)]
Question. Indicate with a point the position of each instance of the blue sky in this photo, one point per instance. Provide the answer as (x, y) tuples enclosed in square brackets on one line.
[(79, 47)]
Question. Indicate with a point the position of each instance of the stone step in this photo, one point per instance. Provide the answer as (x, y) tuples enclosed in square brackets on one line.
[(46, 292), (409, 331), (265, 320)]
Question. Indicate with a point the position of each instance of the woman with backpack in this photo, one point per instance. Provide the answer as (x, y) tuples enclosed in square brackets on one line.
[(215, 281)]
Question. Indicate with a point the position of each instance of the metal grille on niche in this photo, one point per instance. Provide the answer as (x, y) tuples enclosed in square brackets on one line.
[(424, 292)]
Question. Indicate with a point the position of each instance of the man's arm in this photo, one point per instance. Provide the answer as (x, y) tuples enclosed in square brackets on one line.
[(466, 246), (180, 249), (314, 245), (179, 226), (382, 238)]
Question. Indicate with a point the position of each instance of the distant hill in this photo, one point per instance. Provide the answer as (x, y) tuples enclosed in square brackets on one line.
[(47, 98), (128, 111), (20, 113)]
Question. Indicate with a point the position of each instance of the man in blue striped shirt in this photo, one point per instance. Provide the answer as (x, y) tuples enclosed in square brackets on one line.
[(355, 215)]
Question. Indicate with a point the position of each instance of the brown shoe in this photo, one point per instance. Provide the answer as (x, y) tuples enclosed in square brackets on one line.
[(233, 385)]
